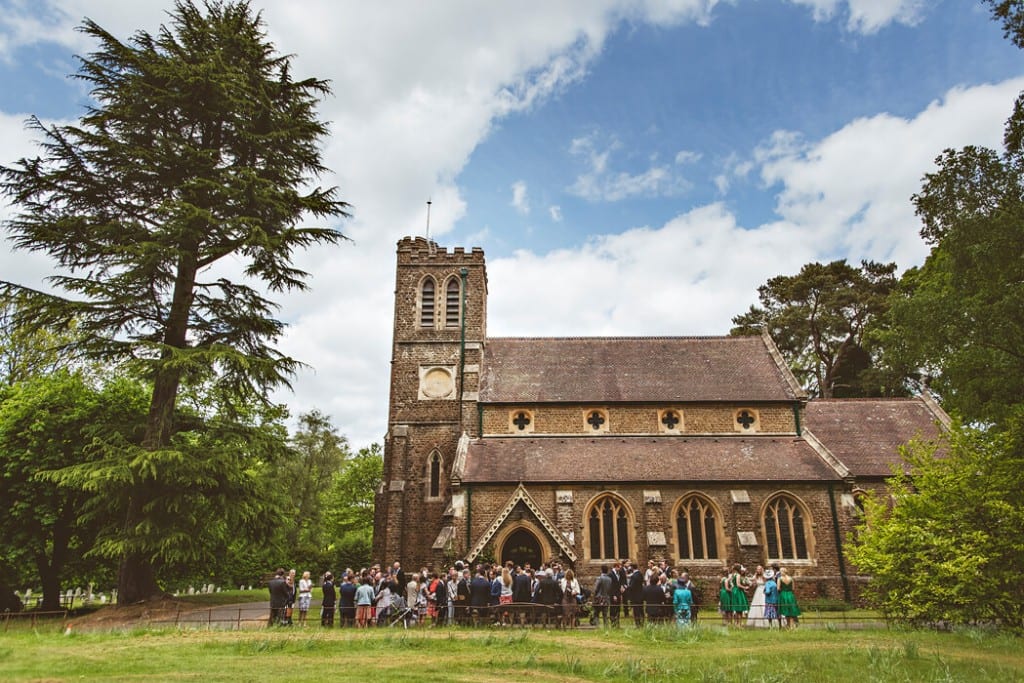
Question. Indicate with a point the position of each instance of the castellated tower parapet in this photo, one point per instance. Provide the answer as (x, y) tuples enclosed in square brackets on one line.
[(440, 325)]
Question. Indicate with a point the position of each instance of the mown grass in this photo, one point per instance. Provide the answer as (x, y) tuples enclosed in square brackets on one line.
[(662, 653)]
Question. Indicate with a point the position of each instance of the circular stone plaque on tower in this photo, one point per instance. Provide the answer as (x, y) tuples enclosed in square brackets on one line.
[(436, 383)]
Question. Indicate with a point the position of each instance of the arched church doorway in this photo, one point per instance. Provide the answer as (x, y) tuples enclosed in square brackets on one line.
[(521, 546)]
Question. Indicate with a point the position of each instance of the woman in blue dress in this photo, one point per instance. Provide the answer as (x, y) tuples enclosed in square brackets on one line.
[(682, 601)]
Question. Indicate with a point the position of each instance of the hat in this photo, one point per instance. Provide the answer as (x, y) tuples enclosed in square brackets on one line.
[(769, 574)]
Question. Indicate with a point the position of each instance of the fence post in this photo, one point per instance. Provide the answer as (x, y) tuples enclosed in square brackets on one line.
[(239, 623)]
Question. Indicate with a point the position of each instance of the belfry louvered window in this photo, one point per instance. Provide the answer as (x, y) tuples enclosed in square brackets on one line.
[(451, 303), (427, 303)]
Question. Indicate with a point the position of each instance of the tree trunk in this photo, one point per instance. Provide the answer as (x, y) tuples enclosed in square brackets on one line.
[(136, 577), (50, 568), (136, 580)]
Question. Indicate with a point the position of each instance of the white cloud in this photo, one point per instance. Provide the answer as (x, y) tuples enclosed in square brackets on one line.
[(847, 194), (687, 157), (868, 16), (600, 183), (520, 201), (555, 212), (856, 183), (417, 87)]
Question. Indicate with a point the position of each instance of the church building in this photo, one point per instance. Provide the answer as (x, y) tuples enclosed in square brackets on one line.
[(702, 451)]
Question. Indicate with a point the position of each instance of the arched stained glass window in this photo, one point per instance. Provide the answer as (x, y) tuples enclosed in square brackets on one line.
[(697, 529), (434, 475), (786, 529), (609, 524)]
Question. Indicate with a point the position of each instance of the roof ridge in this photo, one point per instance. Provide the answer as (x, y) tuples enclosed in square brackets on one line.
[(696, 337), (865, 399)]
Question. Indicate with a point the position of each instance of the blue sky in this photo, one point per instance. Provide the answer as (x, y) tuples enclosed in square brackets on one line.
[(631, 167), (714, 91)]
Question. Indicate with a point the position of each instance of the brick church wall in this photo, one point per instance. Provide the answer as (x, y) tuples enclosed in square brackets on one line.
[(708, 418), (818, 576)]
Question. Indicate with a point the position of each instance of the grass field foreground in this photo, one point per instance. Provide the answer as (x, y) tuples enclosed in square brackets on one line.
[(660, 653)]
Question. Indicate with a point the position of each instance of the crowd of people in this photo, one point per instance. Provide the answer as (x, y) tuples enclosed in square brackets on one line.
[(549, 595), (764, 600)]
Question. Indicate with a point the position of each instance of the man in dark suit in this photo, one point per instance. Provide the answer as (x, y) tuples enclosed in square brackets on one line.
[(635, 595), (479, 596), (398, 576), (602, 597), (521, 594), (329, 601), (654, 599), (278, 597), (618, 578), (462, 598), (548, 596)]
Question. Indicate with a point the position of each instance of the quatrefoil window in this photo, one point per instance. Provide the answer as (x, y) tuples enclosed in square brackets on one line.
[(595, 421), (746, 420), (670, 421), (520, 422)]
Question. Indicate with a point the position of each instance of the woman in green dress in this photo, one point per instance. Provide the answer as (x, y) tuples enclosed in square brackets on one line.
[(787, 600), (739, 604), (725, 598)]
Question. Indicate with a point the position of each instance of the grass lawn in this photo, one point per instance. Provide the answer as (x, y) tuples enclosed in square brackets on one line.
[(230, 597), (707, 653)]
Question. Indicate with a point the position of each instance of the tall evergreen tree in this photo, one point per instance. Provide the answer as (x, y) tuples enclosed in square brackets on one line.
[(818, 318), (199, 148)]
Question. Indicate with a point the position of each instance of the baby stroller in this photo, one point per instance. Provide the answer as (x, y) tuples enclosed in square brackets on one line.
[(401, 612)]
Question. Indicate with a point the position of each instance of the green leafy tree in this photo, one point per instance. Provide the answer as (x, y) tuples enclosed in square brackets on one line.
[(959, 318), (949, 548), (348, 515), (316, 455), (48, 423), (195, 159), (819, 318), (24, 353)]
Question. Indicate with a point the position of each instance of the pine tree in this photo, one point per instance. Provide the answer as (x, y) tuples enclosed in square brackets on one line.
[(196, 156)]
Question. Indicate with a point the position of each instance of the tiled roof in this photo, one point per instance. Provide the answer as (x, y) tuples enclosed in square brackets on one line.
[(643, 459), (865, 434), (631, 369)]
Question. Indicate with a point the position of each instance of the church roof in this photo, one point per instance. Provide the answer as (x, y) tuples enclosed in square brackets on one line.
[(633, 369), (643, 459), (865, 434)]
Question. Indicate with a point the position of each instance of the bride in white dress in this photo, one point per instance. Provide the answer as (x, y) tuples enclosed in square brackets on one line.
[(755, 616)]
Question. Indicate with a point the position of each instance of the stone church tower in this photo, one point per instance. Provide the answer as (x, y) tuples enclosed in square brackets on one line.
[(439, 330)]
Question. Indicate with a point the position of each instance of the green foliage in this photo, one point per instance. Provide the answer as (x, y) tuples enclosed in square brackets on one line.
[(195, 159), (352, 493), (25, 353), (818, 319), (47, 424), (207, 490), (969, 294), (950, 547), (316, 456)]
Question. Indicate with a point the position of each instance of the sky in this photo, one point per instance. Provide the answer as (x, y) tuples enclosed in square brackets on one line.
[(630, 167)]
